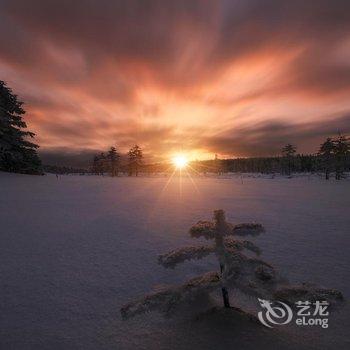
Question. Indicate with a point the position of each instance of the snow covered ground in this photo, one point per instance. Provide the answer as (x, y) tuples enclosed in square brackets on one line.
[(73, 250)]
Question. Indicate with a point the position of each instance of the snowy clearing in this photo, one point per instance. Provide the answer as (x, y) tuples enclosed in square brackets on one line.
[(74, 249)]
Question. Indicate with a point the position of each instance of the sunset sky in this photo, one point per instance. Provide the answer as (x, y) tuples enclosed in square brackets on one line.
[(236, 78)]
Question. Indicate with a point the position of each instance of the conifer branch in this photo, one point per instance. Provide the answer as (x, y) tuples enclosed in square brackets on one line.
[(233, 245), (165, 300), (245, 229), (171, 259), (204, 229), (307, 292)]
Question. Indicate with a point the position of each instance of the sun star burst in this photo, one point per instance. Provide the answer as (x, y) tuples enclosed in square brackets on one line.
[(180, 161)]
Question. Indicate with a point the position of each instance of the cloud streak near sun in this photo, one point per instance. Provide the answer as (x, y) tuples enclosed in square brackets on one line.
[(237, 78)]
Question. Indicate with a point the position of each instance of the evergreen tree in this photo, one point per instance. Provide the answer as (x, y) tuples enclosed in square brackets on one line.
[(17, 153), (341, 151), (113, 157), (326, 153), (102, 163), (217, 165), (288, 152), (99, 165), (248, 274), (95, 165), (135, 160)]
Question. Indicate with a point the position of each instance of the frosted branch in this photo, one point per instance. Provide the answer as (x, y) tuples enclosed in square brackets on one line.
[(306, 292), (165, 300), (252, 276), (247, 229), (235, 245), (171, 259), (204, 229)]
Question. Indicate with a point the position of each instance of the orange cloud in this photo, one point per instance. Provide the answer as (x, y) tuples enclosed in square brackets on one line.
[(193, 75)]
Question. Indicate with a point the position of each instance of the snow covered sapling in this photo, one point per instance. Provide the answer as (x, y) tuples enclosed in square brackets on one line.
[(248, 274), (232, 264), (224, 246)]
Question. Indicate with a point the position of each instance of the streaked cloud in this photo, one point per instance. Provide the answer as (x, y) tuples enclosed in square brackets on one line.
[(200, 75)]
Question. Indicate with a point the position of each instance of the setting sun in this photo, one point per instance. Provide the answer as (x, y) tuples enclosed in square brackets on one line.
[(180, 161)]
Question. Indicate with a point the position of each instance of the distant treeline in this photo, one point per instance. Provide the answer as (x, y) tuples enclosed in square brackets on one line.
[(111, 162), (332, 158), (54, 169), (269, 165)]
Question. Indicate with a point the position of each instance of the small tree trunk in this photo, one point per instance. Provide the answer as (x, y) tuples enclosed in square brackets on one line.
[(225, 296), (220, 253)]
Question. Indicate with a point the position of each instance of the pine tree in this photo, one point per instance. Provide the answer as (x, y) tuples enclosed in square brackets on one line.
[(250, 275), (102, 163), (95, 165), (113, 157), (326, 152), (17, 153), (288, 152), (135, 160), (99, 165), (341, 151), (217, 165)]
